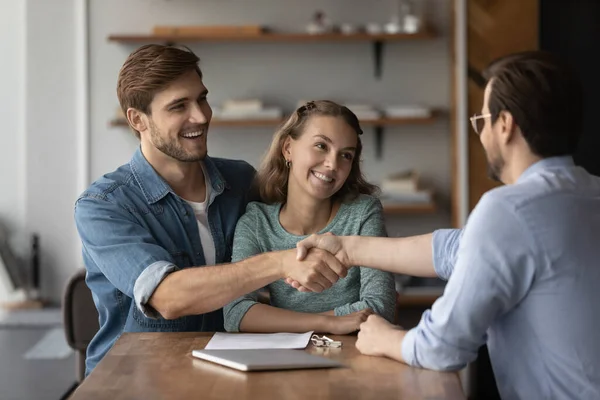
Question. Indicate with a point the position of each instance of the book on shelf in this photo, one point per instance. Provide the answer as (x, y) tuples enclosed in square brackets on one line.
[(407, 111), (403, 188), (418, 197), (364, 111), (249, 109)]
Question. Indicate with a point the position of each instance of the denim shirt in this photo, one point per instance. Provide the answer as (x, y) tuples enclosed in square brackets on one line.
[(135, 230)]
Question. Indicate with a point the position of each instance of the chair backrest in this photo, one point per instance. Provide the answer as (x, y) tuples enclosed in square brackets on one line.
[(80, 318)]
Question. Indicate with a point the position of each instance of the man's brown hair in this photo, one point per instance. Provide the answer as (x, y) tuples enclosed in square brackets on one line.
[(149, 70), (545, 97)]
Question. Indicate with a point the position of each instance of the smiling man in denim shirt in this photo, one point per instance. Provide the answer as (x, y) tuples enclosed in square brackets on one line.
[(524, 274), (171, 208)]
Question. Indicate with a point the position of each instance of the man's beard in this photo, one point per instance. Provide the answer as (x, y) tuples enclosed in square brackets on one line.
[(172, 148), (494, 168)]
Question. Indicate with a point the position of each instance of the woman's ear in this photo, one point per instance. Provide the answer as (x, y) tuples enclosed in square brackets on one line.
[(286, 148)]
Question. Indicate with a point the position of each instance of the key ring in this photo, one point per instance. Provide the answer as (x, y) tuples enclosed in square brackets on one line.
[(324, 341)]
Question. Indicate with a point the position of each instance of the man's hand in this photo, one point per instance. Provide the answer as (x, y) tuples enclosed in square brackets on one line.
[(377, 337), (318, 271), (349, 323), (328, 242)]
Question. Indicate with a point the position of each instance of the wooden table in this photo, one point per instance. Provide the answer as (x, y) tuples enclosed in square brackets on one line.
[(160, 366)]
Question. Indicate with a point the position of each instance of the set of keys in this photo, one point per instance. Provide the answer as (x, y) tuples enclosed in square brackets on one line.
[(324, 341)]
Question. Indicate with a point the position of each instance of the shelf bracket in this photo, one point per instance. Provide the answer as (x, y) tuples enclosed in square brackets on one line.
[(377, 57), (379, 142)]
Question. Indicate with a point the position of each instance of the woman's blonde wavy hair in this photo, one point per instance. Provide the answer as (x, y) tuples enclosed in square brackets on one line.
[(272, 177)]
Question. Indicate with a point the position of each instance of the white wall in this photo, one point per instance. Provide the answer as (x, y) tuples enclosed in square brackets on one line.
[(282, 74), (12, 78), (38, 152)]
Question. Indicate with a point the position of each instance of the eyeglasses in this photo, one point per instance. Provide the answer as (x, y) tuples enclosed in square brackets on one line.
[(477, 122)]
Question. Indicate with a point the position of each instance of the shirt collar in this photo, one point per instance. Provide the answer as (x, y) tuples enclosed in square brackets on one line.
[(154, 187), (547, 163)]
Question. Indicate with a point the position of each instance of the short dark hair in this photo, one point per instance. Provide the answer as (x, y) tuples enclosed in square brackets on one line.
[(545, 97), (148, 70)]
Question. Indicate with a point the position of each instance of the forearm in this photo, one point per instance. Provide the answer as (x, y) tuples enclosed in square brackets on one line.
[(410, 255), (194, 291), (266, 319)]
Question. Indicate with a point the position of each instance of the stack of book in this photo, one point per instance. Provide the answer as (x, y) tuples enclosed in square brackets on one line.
[(237, 109), (364, 112), (407, 111), (403, 188)]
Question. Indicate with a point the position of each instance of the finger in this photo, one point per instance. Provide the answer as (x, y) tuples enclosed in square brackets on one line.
[(289, 281), (303, 289), (328, 273), (296, 285), (335, 265), (304, 245), (316, 283)]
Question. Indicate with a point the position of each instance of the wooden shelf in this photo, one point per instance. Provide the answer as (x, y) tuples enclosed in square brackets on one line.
[(272, 37), (242, 123), (419, 208)]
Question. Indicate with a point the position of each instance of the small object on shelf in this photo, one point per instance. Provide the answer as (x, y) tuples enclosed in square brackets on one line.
[(209, 30), (394, 26), (373, 28), (411, 19), (349, 29), (407, 111), (319, 24)]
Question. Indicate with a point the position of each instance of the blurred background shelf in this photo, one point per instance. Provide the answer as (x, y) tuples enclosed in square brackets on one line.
[(379, 122), (273, 37)]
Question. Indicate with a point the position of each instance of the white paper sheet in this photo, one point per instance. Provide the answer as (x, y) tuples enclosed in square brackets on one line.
[(238, 341)]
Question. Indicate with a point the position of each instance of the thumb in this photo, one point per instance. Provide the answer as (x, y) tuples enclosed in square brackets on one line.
[(303, 246)]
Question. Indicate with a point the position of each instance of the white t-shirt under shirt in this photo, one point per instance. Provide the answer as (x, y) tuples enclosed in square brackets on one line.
[(201, 213)]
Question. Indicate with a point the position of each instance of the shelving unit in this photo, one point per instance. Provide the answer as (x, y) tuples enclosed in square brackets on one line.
[(379, 124), (272, 37), (377, 40)]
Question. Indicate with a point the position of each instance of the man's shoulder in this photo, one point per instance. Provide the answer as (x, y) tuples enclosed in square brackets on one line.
[(106, 186), (233, 169)]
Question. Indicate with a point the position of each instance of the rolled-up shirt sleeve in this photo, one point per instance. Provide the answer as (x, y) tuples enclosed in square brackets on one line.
[(445, 247), (124, 250), (494, 270)]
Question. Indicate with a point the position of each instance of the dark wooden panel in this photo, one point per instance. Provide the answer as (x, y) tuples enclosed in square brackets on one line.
[(495, 28)]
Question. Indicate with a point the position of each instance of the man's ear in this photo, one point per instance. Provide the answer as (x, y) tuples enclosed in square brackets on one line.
[(137, 119), (508, 126)]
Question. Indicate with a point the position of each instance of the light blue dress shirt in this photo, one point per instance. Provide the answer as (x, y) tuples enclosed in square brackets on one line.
[(523, 276)]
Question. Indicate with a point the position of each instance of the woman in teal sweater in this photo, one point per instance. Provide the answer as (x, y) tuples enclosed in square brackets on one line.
[(311, 182)]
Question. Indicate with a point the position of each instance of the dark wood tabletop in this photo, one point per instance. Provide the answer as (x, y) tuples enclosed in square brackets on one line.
[(160, 366)]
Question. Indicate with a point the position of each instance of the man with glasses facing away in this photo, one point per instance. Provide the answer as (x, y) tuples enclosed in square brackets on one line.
[(524, 273)]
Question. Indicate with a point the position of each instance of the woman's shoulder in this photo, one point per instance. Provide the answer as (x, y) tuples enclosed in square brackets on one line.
[(362, 202), (257, 210)]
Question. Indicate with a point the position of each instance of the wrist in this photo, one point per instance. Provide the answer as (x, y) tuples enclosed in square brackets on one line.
[(324, 323), (278, 263), (349, 246)]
